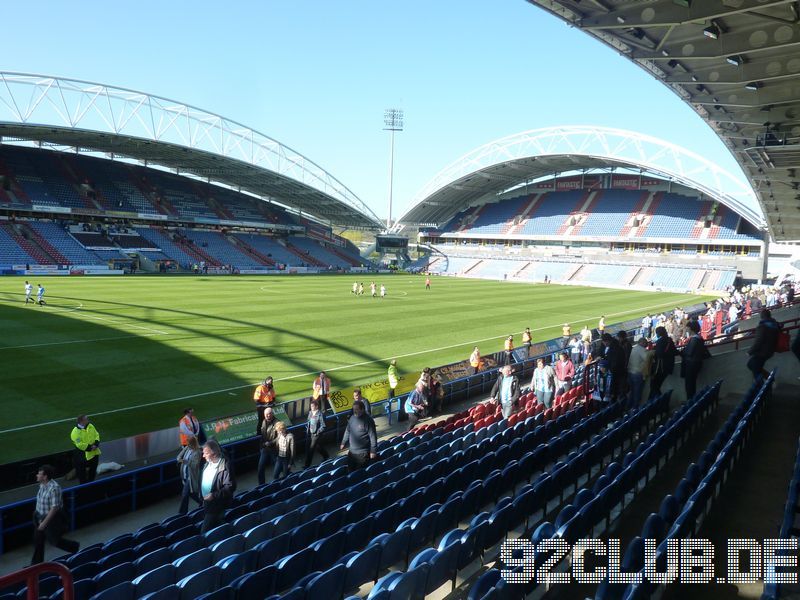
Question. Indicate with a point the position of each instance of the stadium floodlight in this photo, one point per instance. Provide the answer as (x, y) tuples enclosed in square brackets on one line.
[(736, 61), (754, 86), (392, 122), (713, 31)]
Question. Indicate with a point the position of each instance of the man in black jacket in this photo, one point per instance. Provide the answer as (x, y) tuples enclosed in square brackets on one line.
[(663, 360), (766, 339), (361, 437), (693, 356), (217, 485)]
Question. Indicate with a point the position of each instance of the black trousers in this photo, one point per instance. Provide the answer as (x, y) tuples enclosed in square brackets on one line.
[(86, 470), (314, 444), (357, 460), (690, 374), (52, 534), (655, 384), (214, 515)]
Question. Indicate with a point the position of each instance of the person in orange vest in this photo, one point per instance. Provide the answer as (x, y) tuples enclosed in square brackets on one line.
[(475, 360), (320, 389), (526, 341), (264, 396), (566, 333), (509, 348), (188, 427)]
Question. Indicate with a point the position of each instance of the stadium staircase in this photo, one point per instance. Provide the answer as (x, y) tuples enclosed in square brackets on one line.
[(198, 253), (39, 254), (580, 207), (303, 256), (248, 249), (527, 214), (641, 207), (352, 261), (521, 271), (154, 196), (15, 193), (643, 276), (67, 173), (520, 216), (574, 273), (473, 267), (38, 239), (698, 231), (470, 218), (215, 205), (648, 210), (592, 199)]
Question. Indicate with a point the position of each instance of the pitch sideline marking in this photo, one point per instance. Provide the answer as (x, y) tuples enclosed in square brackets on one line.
[(297, 376)]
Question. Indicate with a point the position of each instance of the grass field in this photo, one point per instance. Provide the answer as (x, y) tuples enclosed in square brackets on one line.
[(133, 352)]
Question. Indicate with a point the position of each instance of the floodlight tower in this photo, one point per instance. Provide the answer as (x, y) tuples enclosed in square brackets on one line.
[(392, 121)]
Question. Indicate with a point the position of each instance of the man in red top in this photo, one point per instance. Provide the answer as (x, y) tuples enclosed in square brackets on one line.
[(565, 371), (264, 396)]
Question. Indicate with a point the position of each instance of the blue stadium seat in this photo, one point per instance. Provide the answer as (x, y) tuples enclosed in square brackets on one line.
[(191, 563), (271, 550), (199, 583), (170, 592), (292, 568), (362, 567), (187, 546), (329, 549), (328, 584), (154, 580), (115, 575), (121, 591), (256, 585), (226, 547)]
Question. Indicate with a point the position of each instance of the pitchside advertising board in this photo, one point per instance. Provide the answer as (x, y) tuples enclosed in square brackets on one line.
[(241, 426)]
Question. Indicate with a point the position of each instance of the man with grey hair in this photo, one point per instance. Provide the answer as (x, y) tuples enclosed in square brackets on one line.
[(216, 486), (268, 444)]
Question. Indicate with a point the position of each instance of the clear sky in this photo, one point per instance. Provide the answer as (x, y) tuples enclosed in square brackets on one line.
[(317, 75)]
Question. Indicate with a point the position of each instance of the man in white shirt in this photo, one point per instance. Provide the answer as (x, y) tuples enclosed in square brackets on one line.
[(636, 367), (28, 292)]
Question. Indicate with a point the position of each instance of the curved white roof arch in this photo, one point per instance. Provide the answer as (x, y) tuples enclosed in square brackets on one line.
[(117, 120), (586, 146)]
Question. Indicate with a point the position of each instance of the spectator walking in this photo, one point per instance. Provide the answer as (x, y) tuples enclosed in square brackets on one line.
[(189, 464), (543, 383), (637, 367), (415, 404), (315, 427), (693, 356), (188, 427), (565, 372), (506, 391), (764, 344), (264, 396), (49, 520), (393, 377), (357, 396), (614, 355), (601, 324), (87, 449), (320, 389), (435, 394), (217, 485), (664, 354), (266, 453), (566, 334), (361, 438), (284, 443)]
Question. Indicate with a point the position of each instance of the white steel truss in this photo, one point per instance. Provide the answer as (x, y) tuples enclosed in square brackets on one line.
[(618, 146), (29, 99)]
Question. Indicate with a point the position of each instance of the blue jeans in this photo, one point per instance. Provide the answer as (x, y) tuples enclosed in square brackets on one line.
[(282, 467), (545, 397), (636, 381), (185, 495), (264, 458)]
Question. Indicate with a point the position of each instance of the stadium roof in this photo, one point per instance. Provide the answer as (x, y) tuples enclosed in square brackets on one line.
[(735, 62), (507, 163), (91, 117)]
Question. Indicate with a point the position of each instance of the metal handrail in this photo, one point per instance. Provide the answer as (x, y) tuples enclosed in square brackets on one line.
[(30, 575)]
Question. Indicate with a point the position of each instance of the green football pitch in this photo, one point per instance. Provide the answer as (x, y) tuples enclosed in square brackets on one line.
[(133, 352)]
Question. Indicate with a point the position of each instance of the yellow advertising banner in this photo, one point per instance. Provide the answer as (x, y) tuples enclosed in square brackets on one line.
[(342, 400)]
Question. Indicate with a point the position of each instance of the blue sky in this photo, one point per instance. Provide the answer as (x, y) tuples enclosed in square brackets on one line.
[(317, 75)]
